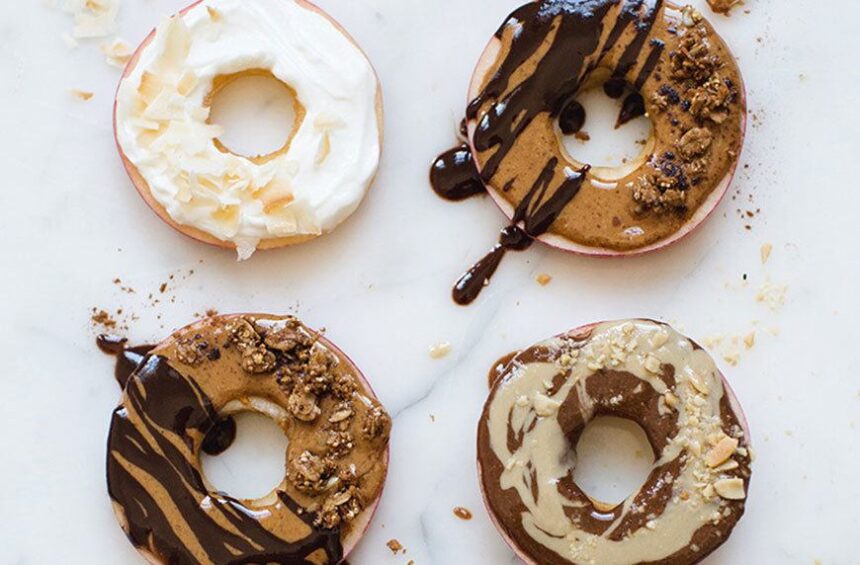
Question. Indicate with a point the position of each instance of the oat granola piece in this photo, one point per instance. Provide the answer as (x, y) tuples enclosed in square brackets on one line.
[(376, 423), (342, 506), (695, 143), (692, 60), (192, 350), (343, 387), (310, 473), (258, 359), (243, 334), (303, 406), (288, 338), (339, 443), (711, 100)]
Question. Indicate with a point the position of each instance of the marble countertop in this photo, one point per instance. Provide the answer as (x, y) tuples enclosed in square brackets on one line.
[(72, 224)]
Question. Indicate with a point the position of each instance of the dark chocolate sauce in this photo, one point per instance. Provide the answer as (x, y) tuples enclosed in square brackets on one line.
[(503, 113), (127, 358), (537, 212), (572, 118), (454, 175), (229, 532), (632, 107), (220, 437), (614, 88)]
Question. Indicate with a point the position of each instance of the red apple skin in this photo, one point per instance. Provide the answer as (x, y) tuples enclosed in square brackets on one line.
[(142, 186), (584, 331), (703, 213)]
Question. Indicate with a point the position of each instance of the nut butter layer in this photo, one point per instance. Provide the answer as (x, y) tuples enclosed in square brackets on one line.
[(676, 69), (640, 370), (185, 388)]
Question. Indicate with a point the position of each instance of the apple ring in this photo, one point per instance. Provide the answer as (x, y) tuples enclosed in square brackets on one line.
[(644, 371), (675, 68), (192, 181), (179, 395)]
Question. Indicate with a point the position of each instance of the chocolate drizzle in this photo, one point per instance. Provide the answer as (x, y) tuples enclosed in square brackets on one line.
[(454, 176), (503, 111), (170, 411), (537, 211), (127, 358), (220, 437)]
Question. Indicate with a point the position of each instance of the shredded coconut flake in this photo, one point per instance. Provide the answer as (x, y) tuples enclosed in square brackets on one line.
[(93, 18)]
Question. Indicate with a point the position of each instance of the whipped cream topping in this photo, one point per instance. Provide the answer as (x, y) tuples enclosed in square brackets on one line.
[(163, 130)]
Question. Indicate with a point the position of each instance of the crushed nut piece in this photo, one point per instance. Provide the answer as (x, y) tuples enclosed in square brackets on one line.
[(721, 452), (395, 546), (440, 350), (730, 489), (543, 279), (695, 143), (303, 405)]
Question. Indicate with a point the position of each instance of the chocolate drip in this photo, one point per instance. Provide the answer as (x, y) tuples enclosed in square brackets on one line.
[(127, 358), (614, 88), (454, 175), (632, 108), (467, 289), (503, 112), (536, 212), (220, 437), (572, 118), (177, 411)]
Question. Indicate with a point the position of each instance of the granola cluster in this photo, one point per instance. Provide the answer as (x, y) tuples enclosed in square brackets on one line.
[(697, 89), (319, 395)]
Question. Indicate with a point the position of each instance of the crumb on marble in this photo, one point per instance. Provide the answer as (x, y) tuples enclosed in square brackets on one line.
[(84, 95), (440, 350), (395, 546)]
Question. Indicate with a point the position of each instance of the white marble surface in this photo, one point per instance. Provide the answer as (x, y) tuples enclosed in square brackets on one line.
[(71, 223)]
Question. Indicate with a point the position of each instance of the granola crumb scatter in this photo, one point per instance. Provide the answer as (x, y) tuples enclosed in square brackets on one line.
[(102, 318)]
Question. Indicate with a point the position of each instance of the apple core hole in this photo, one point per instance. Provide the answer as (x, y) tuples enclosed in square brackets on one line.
[(254, 464), (613, 459), (258, 112), (599, 142)]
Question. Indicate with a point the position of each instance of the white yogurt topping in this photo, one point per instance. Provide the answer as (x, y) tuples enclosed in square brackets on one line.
[(162, 124)]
